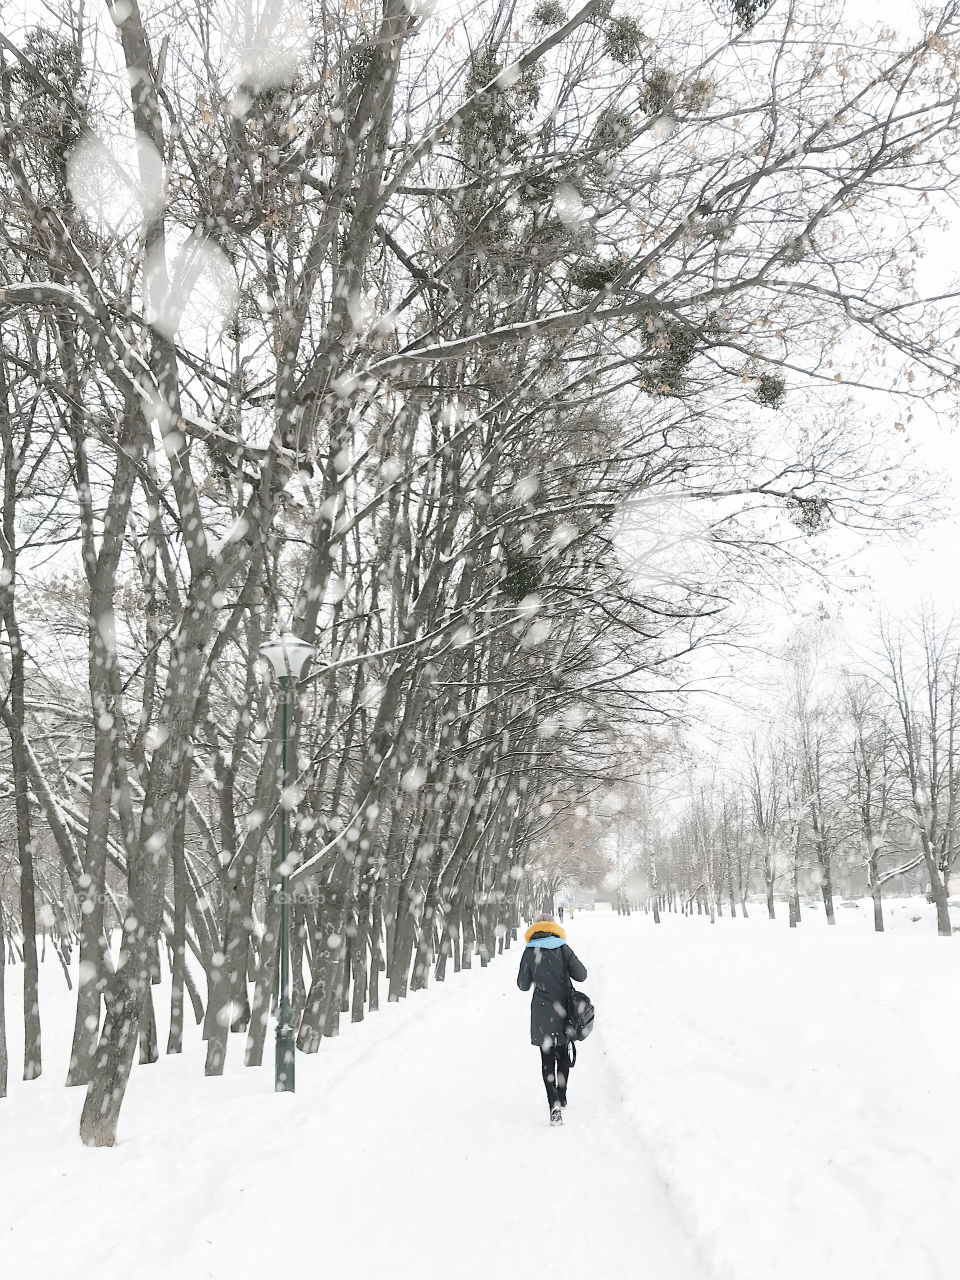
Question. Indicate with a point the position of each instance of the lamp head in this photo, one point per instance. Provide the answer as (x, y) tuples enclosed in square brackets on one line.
[(287, 654)]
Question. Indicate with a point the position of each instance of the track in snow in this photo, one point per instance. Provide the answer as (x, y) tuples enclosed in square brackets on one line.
[(416, 1145)]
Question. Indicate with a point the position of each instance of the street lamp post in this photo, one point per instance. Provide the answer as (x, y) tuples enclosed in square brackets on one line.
[(288, 655)]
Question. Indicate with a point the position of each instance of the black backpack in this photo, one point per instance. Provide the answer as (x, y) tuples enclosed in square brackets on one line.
[(580, 1013)]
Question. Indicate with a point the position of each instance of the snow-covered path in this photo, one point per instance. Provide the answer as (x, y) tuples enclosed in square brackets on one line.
[(416, 1145), (755, 1101)]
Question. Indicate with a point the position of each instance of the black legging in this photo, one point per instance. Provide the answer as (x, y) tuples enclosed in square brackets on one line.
[(555, 1067)]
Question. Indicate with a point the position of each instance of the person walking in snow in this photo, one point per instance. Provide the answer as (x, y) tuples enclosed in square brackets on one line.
[(548, 964)]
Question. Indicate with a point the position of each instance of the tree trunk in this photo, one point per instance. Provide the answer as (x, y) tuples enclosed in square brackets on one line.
[(398, 968), (939, 894), (13, 454), (340, 981), (323, 998), (654, 886), (298, 933), (228, 1002), (265, 985), (730, 892), (3, 1014), (16, 722), (376, 955), (32, 1055), (101, 573), (447, 945), (346, 977), (113, 1060), (826, 886), (937, 890), (178, 950), (358, 954), (424, 956), (467, 937), (149, 1050), (877, 895), (146, 873)]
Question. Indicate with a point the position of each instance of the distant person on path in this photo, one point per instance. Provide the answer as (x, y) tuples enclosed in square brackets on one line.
[(547, 965), (560, 914)]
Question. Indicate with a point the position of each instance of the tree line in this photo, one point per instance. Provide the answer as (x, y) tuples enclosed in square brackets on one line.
[(851, 781)]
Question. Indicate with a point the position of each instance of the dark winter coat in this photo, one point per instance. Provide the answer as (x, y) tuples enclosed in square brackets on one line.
[(547, 965)]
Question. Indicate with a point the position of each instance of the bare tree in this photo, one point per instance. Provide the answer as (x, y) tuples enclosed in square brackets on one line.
[(921, 676), (765, 787), (875, 778)]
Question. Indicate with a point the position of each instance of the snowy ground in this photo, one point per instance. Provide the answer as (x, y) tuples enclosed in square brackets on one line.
[(755, 1102), (416, 1145), (796, 1089)]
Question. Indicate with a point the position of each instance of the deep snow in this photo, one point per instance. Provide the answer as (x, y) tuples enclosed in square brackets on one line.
[(755, 1102)]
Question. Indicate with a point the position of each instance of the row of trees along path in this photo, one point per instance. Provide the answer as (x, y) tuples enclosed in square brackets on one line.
[(851, 774)]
